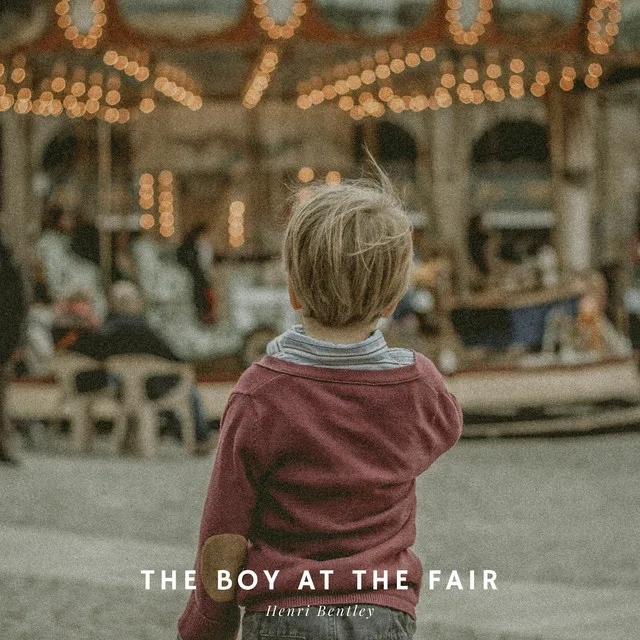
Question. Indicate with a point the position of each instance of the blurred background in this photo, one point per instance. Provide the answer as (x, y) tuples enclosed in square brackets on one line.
[(149, 153)]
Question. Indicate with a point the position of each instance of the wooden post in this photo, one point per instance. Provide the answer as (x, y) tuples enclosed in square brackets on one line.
[(556, 119), (451, 175), (104, 198), (18, 217), (255, 199), (576, 193)]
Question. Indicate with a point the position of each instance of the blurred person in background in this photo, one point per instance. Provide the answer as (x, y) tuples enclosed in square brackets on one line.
[(63, 271), (13, 314), (196, 255), (85, 238), (123, 264), (76, 326), (55, 220), (126, 331)]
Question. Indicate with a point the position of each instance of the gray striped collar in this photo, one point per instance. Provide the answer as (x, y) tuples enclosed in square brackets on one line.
[(372, 353)]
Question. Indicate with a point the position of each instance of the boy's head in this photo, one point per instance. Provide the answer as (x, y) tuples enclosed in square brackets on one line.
[(347, 252)]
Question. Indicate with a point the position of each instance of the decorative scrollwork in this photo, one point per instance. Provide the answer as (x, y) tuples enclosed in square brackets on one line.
[(277, 30), (459, 33)]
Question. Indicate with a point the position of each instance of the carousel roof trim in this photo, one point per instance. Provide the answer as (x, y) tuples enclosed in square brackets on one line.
[(465, 56), (255, 25)]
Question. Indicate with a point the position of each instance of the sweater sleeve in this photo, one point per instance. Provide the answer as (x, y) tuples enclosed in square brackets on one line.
[(442, 415), (212, 612)]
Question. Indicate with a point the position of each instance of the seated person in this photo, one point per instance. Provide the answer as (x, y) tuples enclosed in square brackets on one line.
[(126, 331), (76, 328), (76, 325)]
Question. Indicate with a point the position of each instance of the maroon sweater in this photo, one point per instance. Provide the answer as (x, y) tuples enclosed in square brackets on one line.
[(317, 468)]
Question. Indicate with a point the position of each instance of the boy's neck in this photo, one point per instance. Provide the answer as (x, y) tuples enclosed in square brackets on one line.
[(338, 335)]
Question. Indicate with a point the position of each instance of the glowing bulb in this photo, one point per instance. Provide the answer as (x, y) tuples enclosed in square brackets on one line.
[(165, 178), (306, 174), (147, 221), (18, 75), (333, 177), (237, 207), (147, 105)]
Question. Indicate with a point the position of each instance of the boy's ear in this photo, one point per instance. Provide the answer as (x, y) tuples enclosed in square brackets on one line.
[(295, 303)]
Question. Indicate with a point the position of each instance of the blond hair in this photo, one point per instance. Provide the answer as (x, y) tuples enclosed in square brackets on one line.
[(347, 251)]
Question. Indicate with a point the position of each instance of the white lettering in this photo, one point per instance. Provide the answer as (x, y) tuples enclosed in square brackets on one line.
[(147, 577), (164, 580), (190, 580), (326, 573), (271, 578), (454, 581), (252, 575), (434, 576), (359, 573), (306, 581), (384, 579), (401, 576), (489, 577), (224, 581)]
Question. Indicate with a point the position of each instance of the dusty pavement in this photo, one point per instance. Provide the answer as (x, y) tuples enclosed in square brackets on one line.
[(558, 521)]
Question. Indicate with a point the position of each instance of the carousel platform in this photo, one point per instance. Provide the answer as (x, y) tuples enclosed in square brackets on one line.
[(510, 400), (539, 396)]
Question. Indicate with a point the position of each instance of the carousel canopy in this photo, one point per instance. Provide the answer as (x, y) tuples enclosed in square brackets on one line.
[(116, 58)]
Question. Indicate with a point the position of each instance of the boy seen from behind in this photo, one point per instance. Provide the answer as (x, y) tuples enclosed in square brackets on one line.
[(313, 487)]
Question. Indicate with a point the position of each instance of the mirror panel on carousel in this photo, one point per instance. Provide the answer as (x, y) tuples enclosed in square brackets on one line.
[(536, 18), (512, 195), (374, 17), (628, 38), (21, 22), (188, 18)]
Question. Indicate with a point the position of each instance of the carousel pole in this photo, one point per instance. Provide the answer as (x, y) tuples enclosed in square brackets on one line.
[(104, 198), (256, 199), (16, 222)]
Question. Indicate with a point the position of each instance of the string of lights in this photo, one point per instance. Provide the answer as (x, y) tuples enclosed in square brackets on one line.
[(89, 93), (236, 224), (602, 26), (470, 81), (163, 185), (176, 84), (166, 216), (134, 65), (260, 77), (345, 78)]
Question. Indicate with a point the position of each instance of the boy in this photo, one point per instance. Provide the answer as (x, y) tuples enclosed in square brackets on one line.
[(311, 506)]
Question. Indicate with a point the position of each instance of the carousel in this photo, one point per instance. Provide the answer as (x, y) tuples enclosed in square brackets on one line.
[(503, 124)]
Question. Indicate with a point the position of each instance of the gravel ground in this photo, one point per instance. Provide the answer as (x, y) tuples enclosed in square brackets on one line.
[(557, 519)]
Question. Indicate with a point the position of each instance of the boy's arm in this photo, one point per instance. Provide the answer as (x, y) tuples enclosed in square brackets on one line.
[(442, 415), (212, 612), (447, 418)]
